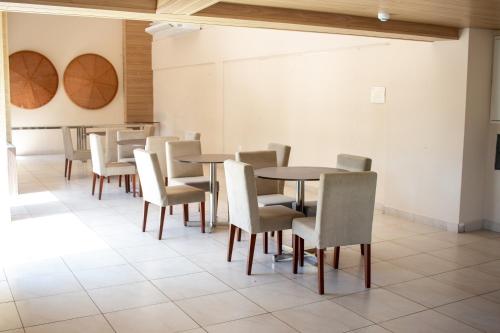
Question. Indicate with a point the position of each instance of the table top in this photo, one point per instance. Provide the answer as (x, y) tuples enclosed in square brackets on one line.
[(205, 158), (294, 173), (132, 142)]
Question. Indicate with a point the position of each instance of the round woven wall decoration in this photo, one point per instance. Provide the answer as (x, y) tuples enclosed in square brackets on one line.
[(33, 79), (90, 81)]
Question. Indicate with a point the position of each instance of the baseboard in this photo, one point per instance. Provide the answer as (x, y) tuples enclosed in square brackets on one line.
[(491, 225), (416, 218)]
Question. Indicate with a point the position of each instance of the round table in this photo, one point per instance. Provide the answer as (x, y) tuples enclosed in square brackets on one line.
[(213, 160), (298, 174), (132, 142)]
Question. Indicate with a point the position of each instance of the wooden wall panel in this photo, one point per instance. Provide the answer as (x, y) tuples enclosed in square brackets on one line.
[(138, 73)]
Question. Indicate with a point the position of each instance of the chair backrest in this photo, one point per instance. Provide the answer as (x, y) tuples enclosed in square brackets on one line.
[(190, 136), (258, 160), (97, 155), (242, 196), (126, 151), (149, 130), (111, 147), (152, 181), (345, 208), (283, 157), (176, 169), (68, 142), (157, 145), (353, 162)]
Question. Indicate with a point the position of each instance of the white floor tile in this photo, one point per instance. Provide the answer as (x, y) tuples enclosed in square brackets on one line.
[(127, 296), (94, 259), (427, 321), (44, 285), (92, 324), (108, 276), (320, 317), (190, 285), (263, 324), (48, 309), (156, 269), (147, 253), (161, 318), (218, 308), (379, 305), (9, 319), (5, 295)]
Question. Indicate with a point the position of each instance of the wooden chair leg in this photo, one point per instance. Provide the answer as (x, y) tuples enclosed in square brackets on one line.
[(162, 219), (133, 185), (171, 210), (264, 242), (368, 265), (166, 181), (321, 271), (109, 180), (101, 184), (146, 206), (120, 181), (70, 164), (251, 249), (127, 184), (239, 235), (279, 242), (362, 249), (230, 244), (301, 252), (202, 216), (272, 233), (186, 214), (336, 257), (65, 167), (94, 178), (295, 253)]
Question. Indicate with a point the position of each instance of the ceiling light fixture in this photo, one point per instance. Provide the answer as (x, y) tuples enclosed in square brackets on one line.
[(384, 16)]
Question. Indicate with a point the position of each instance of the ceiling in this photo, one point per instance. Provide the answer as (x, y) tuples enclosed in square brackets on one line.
[(428, 20)]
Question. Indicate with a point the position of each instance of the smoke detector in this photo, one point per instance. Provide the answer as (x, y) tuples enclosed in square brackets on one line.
[(384, 16)]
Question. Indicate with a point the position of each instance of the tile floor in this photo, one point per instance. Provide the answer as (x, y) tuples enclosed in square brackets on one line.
[(70, 263)]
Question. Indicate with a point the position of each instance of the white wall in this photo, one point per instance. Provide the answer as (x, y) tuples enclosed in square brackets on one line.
[(60, 39), (247, 87)]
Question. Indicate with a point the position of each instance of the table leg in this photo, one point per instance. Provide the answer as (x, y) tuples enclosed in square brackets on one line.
[(213, 196), (300, 196)]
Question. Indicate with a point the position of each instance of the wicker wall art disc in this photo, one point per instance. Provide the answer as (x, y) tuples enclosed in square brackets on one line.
[(90, 81), (33, 79)]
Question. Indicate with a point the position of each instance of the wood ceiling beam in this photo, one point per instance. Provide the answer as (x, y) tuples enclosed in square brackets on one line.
[(347, 24), (142, 6), (183, 7)]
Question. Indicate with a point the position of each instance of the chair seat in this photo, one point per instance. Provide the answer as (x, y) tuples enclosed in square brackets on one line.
[(126, 160), (119, 168), (274, 200), (182, 194), (200, 182), (276, 218), (304, 227), (81, 155), (310, 208)]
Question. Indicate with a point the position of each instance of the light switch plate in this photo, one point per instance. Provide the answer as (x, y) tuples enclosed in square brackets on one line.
[(377, 95)]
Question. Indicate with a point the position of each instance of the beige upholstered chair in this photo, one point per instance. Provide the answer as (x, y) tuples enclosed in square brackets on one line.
[(347, 162), (111, 146), (245, 212), (70, 153), (345, 216), (157, 145), (268, 191), (185, 173), (102, 169), (282, 159), (155, 192), (149, 130), (190, 136), (126, 152)]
